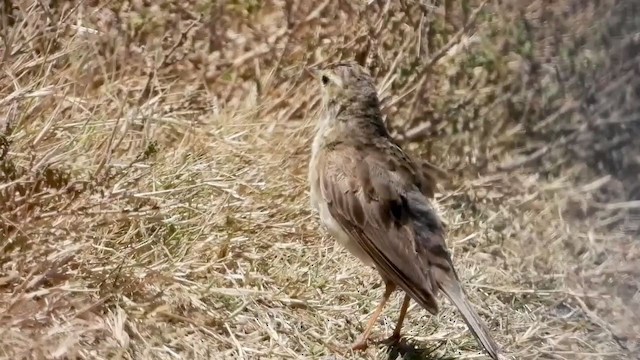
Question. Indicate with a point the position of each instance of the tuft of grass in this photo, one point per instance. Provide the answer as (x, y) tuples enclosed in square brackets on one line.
[(153, 164)]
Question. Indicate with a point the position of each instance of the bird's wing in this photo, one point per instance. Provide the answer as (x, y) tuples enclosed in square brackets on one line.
[(371, 193), (378, 197)]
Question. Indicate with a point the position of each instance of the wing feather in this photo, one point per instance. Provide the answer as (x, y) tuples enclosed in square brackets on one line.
[(370, 203), (383, 205)]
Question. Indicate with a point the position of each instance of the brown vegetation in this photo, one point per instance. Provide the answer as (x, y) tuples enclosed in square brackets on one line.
[(153, 195)]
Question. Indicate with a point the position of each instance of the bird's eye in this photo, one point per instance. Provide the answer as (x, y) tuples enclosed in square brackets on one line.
[(324, 79)]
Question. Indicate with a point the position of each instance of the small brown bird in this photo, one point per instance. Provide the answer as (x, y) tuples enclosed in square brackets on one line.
[(374, 200)]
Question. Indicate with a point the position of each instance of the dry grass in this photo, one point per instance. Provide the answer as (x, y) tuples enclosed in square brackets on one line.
[(153, 187)]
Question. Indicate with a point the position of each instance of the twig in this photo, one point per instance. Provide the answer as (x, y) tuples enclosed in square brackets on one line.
[(419, 87), (524, 159), (598, 321)]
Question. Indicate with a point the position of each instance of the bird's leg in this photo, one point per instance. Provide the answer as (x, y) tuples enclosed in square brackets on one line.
[(361, 344), (403, 312)]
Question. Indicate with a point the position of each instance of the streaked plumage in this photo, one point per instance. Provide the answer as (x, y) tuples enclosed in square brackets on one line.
[(375, 200)]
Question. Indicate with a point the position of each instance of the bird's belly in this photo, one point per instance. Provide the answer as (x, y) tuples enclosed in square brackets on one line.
[(334, 228)]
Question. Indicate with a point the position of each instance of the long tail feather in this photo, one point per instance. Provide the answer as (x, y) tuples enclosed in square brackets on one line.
[(451, 288)]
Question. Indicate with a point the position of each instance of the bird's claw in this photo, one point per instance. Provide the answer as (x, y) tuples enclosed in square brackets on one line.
[(391, 340), (360, 345)]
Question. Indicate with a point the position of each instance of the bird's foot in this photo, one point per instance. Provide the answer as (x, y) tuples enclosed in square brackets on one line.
[(391, 340), (360, 345), (363, 344)]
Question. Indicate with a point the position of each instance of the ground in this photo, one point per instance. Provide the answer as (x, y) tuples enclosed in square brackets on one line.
[(154, 201)]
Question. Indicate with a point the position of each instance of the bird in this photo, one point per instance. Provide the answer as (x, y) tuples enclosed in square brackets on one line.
[(376, 202)]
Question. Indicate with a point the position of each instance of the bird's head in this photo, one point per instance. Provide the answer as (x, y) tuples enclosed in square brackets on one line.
[(349, 93), (344, 81)]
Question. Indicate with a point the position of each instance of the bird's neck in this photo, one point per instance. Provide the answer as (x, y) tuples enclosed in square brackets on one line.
[(362, 110), (361, 115), (354, 122)]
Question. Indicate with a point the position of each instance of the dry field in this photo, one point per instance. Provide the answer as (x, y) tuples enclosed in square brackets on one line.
[(153, 196)]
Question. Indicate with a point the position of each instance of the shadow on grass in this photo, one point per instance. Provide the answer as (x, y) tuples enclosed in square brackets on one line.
[(404, 350)]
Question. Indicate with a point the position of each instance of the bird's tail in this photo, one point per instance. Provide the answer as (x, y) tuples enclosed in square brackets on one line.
[(451, 288)]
